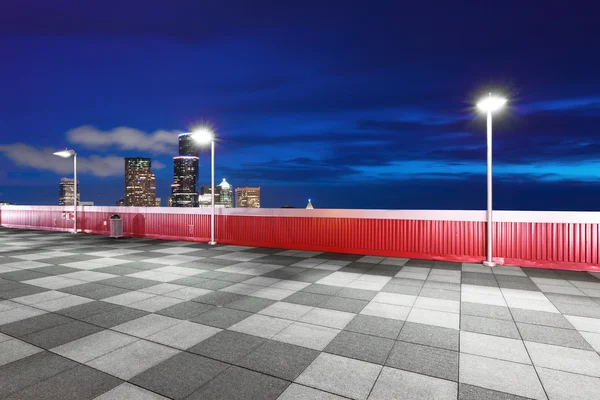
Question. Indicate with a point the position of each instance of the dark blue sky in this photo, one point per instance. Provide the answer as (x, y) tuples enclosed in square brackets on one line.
[(354, 104)]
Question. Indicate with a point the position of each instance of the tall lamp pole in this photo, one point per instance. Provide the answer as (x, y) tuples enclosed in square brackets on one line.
[(489, 105), (66, 154), (204, 136)]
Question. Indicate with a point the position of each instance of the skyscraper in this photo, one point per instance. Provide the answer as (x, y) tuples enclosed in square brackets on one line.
[(226, 194), (66, 192), (248, 197), (204, 200), (184, 191), (140, 183)]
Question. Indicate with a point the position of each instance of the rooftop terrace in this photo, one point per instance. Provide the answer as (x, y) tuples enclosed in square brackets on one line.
[(85, 317)]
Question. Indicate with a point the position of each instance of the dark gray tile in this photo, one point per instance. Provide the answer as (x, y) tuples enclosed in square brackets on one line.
[(470, 392), (307, 299), (362, 347), (279, 274), (28, 371), (79, 383), (541, 318), (190, 280), (279, 260), (104, 293), (217, 298), (180, 375), (22, 275), (579, 310), (118, 270), (229, 277), (442, 285), (214, 284), (25, 290), (34, 324), (87, 310), (485, 310), (322, 289), (375, 326), (401, 289), (340, 256), (279, 359), (186, 310), (61, 334), (221, 317), (250, 304), (556, 336), (440, 294), (489, 326), (343, 304), (357, 294), (227, 346), (241, 384), (55, 270), (406, 282), (430, 335), (310, 276), (518, 285), (426, 360), (83, 289), (115, 317), (570, 299), (128, 282)]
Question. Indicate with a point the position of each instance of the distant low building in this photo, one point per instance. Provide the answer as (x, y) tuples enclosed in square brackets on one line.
[(170, 201), (120, 203), (66, 189), (86, 203), (248, 197), (157, 203), (5, 203)]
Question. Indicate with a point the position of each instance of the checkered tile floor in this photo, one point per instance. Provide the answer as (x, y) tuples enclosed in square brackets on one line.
[(84, 317)]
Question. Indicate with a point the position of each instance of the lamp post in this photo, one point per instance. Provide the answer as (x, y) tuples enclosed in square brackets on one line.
[(66, 154), (489, 105), (203, 136)]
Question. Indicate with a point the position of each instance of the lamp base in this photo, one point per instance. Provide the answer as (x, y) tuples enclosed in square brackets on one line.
[(212, 243), (490, 264)]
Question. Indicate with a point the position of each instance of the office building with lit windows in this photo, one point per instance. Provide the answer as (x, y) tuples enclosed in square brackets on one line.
[(184, 191), (140, 183), (66, 190), (248, 197)]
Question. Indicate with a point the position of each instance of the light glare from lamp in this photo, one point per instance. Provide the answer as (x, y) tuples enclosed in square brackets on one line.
[(64, 153), (491, 103), (203, 135)]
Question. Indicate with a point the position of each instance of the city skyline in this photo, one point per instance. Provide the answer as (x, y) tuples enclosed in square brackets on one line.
[(311, 102)]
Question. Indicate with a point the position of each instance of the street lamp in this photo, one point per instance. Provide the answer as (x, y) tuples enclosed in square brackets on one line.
[(204, 136), (66, 154), (489, 105)]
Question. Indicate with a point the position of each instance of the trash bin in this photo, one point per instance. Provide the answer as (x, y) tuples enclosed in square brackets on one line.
[(116, 226)]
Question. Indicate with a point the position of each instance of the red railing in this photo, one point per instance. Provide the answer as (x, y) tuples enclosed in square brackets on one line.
[(567, 240)]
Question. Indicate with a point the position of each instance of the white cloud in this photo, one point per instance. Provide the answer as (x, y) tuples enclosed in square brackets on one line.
[(43, 159), (124, 138), (157, 165)]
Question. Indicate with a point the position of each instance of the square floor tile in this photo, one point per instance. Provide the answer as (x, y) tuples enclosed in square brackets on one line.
[(184, 335), (15, 349), (344, 304), (129, 391), (272, 293), (115, 317), (92, 346), (361, 347), (494, 347), (489, 326), (580, 323), (299, 392), (250, 304), (386, 311), (180, 375), (395, 299), (239, 383), (431, 361), (227, 346), (437, 304), (563, 385), (564, 359), (261, 325), (155, 303), (486, 311), (218, 298), (61, 334), (307, 335), (375, 326), (286, 310), (279, 359), (328, 318), (128, 298), (186, 310), (551, 335), (147, 325), (411, 386), (307, 298), (69, 385), (541, 318), (431, 317), (430, 335), (470, 392), (221, 317), (30, 325), (340, 375), (126, 362), (499, 375)]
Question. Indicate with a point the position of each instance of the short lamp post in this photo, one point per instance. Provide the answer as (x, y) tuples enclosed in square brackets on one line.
[(489, 105), (66, 154), (204, 136)]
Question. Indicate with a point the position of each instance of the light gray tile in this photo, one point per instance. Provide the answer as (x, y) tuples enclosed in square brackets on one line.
[(494, 347), (147, 325), (391, 311), (563, 385), (503, 376), (329, 318), (431, 317), (340, 375), (564, 359), (286, 310), (92, 346), (430, 335), (489, 326), (394, 383), (307, 335), (15, 349), (128, 361), (299, 392), (261, 325), (184, 335), (541, 318), (582, 323), (551, 335)]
